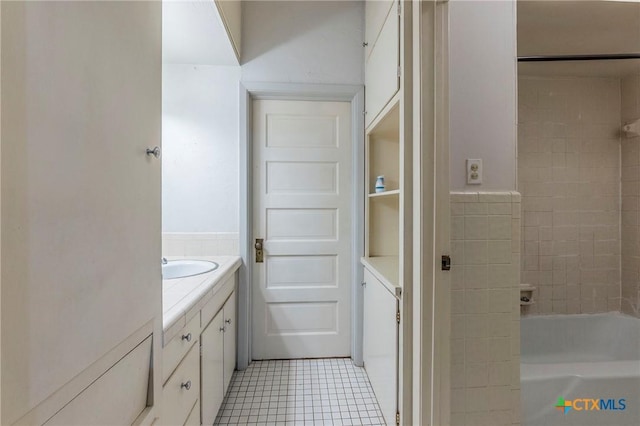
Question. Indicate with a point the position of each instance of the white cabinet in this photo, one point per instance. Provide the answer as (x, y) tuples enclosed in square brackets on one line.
[(175, 350), (389, 214), (181, 391), (125, 385), (376, 13), (81, 207), (194, 417), (198, 362), (231, 15), (218, 342), (212, 368), (380, 344), (382, 79), (229, 364)]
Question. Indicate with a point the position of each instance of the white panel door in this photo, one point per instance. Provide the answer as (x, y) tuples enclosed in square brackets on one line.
[(302, 210), (81, 102)]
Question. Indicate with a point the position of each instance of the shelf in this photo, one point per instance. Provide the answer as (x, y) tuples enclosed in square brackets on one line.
[(391, 193), (526, 290), (387, 270)]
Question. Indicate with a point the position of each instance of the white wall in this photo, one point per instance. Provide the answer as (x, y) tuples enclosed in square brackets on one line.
[(200, 148), (303, 42), (483, 92)]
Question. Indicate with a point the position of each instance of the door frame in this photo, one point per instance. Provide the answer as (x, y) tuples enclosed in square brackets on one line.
[(0, 204), (250, 91), (431, 221)]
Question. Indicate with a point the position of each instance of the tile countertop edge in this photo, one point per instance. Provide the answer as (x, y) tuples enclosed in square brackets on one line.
[(175, 317)]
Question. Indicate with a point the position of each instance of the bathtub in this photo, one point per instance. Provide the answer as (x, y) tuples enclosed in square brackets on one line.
[(580, 357)]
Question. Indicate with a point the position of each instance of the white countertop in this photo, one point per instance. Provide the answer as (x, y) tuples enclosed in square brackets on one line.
[(179, 295)]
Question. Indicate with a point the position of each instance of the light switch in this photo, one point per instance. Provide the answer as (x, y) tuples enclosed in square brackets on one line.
[(474, 171)]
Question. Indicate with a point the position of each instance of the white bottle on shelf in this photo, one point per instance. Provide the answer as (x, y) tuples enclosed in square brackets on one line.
[(380, 184)]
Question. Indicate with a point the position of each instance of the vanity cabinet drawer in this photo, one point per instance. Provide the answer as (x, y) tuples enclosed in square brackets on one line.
[(181, 391), (173, 352)]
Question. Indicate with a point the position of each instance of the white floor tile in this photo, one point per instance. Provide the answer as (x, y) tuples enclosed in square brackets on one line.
[(300, 392)]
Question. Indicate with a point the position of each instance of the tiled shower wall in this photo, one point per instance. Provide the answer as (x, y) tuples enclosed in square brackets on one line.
[(569, 178), (631, 200), (485, 323)]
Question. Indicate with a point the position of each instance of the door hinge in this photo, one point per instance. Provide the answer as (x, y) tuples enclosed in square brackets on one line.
[(399, 7), (446, 262), (397, 418), (398, 316), (399, 71)]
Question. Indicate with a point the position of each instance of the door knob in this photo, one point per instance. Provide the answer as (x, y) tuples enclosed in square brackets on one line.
[(259, 250), (186, 385), (155, 151)]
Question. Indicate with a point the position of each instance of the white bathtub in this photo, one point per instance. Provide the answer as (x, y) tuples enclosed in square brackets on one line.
[(580, 356)]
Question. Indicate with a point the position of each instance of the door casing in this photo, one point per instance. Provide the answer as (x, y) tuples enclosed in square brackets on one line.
[(249, 92)]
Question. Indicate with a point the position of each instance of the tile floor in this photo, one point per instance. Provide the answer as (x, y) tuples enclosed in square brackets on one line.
[(301, 392)]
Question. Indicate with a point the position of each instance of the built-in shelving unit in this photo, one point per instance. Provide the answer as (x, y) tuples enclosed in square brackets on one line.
[(387, 259), (382, 155)]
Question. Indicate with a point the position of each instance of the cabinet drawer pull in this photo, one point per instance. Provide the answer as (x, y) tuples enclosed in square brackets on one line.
[(186, 385), (186, 337), (222, 329), (228, 321)]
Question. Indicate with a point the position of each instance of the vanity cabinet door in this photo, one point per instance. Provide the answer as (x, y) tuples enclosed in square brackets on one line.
[(211, 368), (380, 347), (229, 339)]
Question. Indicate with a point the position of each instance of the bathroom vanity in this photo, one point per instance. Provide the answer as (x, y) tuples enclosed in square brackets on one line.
[(199, 343)]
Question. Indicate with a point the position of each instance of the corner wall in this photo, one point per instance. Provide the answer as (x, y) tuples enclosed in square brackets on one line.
[(631, 200), (200, 159), (483, 92), (485, 233)]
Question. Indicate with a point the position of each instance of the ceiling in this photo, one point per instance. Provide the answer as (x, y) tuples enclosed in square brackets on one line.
[(578, 28), (193, 33)]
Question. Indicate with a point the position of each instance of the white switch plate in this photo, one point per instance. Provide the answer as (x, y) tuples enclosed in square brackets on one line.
[(474, 171)]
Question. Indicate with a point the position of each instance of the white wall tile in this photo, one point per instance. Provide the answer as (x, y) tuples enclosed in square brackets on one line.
[(569, 176), (485, 230)]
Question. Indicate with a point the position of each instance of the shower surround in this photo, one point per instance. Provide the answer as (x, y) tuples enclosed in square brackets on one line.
[(569, 168), (630, 225)]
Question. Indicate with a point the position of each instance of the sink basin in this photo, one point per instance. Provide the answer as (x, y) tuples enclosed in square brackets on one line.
[(186, 268)]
